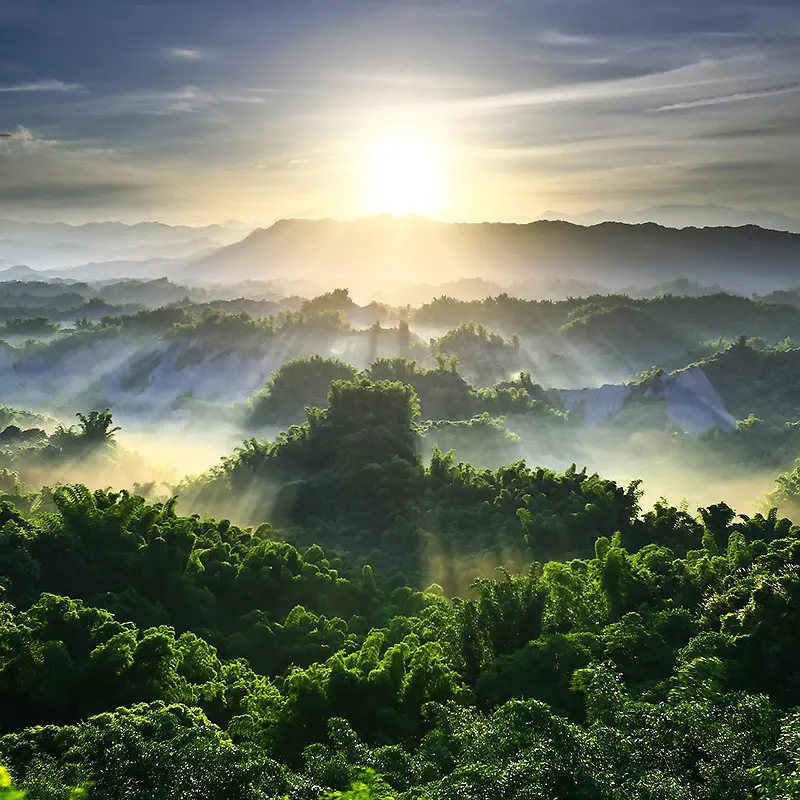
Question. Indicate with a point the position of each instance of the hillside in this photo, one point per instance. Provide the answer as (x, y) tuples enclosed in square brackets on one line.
[(457, 579), (386, 250), (148, 654)]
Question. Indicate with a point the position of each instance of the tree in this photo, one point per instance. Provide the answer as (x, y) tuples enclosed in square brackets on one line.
[(369, 787), (96, 427)]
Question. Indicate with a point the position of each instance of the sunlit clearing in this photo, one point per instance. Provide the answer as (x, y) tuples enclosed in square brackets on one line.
[(404, 176)]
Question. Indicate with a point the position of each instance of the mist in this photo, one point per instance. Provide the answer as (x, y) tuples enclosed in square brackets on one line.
[(180, 377)]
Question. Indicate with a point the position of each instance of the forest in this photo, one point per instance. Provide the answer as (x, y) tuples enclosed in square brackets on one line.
[(496, 548)]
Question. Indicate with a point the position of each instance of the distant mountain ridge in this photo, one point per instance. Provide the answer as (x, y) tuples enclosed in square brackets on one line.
[(57, 245), (684, 216), (117, 229), (397, 251)]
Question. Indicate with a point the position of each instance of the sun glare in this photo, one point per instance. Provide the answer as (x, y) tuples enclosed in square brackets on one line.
[(404, 176)]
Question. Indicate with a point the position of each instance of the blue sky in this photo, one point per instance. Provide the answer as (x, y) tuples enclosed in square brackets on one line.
[(253, 109)]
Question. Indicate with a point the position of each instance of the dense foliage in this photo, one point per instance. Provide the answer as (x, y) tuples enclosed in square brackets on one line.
[(384, 601), (636, 668), (293, 386), (350, 477)]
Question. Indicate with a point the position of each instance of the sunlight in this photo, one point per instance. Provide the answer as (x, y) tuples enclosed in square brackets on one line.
[(404, 176)]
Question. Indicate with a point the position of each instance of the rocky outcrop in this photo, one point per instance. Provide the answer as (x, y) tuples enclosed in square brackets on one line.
[(693, 403), (595, 406), (690, 401)]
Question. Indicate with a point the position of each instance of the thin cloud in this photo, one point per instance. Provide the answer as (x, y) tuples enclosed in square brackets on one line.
[(189, 55), (50, 194), (42, 86), (731, 98), (696, 76), (187, 100), (558, 39), (785, 126)]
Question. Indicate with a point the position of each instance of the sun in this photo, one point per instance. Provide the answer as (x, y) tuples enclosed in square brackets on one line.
[(404, 176)]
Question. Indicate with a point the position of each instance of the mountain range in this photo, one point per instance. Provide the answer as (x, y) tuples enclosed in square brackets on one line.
[(389, 251), (56, 245), (384, 253), (684, 216)]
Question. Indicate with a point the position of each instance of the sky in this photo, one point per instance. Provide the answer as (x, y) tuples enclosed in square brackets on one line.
[(193, 111)]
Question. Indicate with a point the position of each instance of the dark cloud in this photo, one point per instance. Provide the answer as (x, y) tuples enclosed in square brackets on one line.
[(781, 127), (56, 195)]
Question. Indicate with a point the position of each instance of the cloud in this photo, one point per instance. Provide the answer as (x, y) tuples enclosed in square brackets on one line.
[(533, 103), (189, 55), (730, 98), (40, 173), (690, 77), (558, 39), (786, 126), (41, 86), (52, 195), (186, 100), (26, 138)]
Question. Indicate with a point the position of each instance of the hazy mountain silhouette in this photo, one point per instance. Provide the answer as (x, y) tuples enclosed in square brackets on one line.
[(19, 272), (684, 216), (56, 245), (415, 250), (119, 233)]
